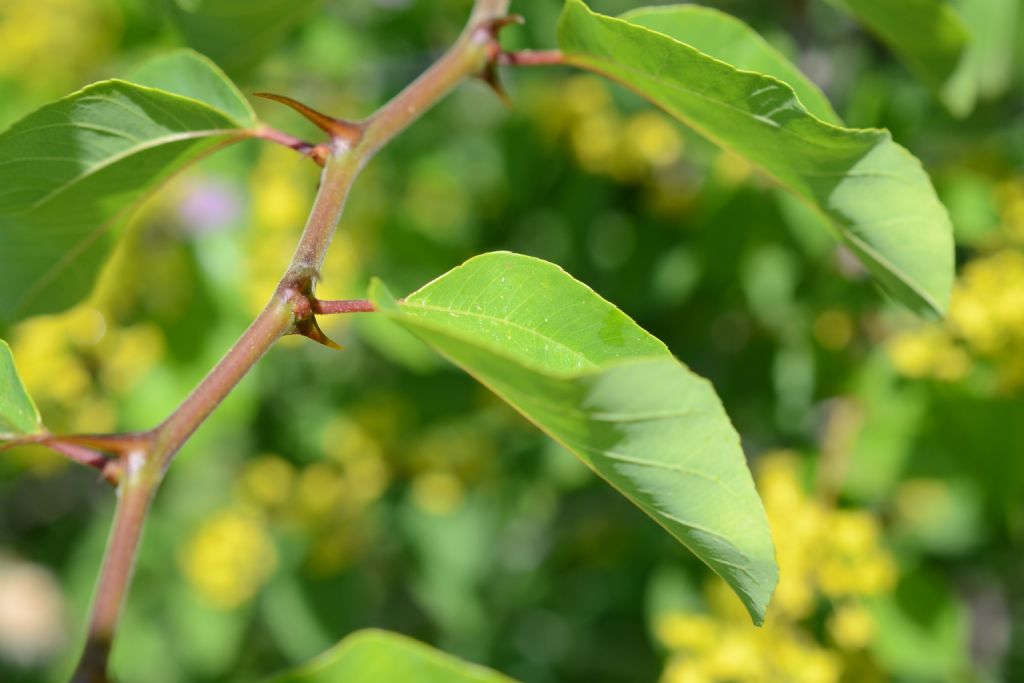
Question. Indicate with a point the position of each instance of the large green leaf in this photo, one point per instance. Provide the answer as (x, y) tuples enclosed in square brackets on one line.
[(73, 169), (373, 656), (237, 34), (18, 414), (725, 37), (928, 35), (873, 191), (593, 380)]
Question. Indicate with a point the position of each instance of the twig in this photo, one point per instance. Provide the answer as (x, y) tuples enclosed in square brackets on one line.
[(290, 310), (531, 58), (321, 307)]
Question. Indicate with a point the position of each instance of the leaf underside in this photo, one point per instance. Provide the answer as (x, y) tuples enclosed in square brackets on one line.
[(728, 39), (71, 171), (593, 380), (875, 193)]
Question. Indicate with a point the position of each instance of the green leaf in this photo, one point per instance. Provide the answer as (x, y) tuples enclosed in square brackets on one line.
[(927, 35), (237, 34), (191, 74), (18, 414), (72, 170), (592, 379), (986, 66), (372, 656), (725, 37), (872, 190)]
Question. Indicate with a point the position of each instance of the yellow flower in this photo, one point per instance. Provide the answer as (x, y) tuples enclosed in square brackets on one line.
[(437, 493), (693, 632), (988, 304), (928, 352), (685, 670), (738, 656), (851, 626), (230, 557), (76, 363), (53, 39), (833, 329), (268, 480), (653, 138), (586, 95), (319, 492), (595, 140), (853, 532), (800, 661), (127, 354)]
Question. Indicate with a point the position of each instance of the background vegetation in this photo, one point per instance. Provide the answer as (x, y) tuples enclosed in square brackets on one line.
[(378, 486)]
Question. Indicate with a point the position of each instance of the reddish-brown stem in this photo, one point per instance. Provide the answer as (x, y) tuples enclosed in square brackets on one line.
[(531, 58), (109, 467), (272, 323), (290, 310), (321, 307), (467, 57), (282, 138), (134, 497), (335, 183)]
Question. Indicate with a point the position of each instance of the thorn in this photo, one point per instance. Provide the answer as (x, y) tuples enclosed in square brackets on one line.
[(495, 25), (490, 76), (111, 472), (337, 128), (319, 153), (308, 327)]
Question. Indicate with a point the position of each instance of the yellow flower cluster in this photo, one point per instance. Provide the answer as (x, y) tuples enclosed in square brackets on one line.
[(929, 352), (230, 557), (283, 193), (53, 39), (443, 459), (986, 320), (76, 364), (626, 147), (822, 550), (824, 553), (326, 500), (712, 650), (986, 313)]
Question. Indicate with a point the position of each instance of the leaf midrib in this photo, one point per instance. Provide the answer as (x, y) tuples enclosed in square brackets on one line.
[(94, 169), (589, 364)]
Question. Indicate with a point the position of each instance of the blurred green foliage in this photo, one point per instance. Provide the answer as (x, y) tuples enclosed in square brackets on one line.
[(380, 487)]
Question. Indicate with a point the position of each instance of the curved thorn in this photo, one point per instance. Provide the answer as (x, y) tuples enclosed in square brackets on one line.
[(336, 128), (311, 329), (490, 76)]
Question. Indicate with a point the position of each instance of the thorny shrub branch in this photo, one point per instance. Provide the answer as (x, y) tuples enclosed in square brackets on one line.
[(137, 463)]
